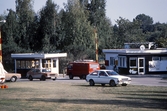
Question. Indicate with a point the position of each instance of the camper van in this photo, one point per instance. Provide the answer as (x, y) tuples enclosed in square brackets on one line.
[(2, 74), (81, 69)]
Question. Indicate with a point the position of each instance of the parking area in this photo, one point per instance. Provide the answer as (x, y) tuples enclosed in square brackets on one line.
[(147, 80)]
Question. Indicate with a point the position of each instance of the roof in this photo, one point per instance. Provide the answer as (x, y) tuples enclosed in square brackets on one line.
[(136, 51), (38, 55), (80, 62)]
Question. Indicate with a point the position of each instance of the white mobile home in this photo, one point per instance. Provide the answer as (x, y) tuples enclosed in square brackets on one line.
[(137, 61)]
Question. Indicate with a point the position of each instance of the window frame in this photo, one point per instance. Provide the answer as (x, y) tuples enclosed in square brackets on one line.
[(133, 58), (112, 61), (122, 61)]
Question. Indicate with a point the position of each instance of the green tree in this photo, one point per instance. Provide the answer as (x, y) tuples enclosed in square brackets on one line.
[(116, 39), (160, 35), (96, 10), (98, 19), (49, 29), (122, 30), (105, 36), (33, 35), (129, 32), (145, 21), (10, 34), (79, 39), (25, 16)]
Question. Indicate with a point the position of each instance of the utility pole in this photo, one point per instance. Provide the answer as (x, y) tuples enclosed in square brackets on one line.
[(96, 43)]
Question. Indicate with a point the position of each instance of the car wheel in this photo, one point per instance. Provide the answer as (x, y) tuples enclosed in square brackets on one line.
[(84, 76), (43, 78), (103, 84), (124, 84), (71, 76), (30, 78), (91, 82), (81, 77), (55, 78), (112, 83), (13, 79)]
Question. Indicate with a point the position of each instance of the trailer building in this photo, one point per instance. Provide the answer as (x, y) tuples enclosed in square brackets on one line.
[(137, 61)]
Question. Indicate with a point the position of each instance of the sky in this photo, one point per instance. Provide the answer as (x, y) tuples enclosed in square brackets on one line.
[(127, 9)]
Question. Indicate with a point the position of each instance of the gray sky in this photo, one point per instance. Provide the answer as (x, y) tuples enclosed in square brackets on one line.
[(128, 9)]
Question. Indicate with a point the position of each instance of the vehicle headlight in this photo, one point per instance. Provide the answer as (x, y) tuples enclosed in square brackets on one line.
[(119, 80)]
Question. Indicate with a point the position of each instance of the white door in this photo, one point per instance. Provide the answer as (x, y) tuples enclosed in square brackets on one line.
[(141, 65), (103, 78)]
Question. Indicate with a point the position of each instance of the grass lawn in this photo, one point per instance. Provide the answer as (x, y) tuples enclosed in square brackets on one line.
[(72, 96)]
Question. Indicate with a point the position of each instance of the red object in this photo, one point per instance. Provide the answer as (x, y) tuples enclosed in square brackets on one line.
[(81, 69), (107, 62), (5, 86)]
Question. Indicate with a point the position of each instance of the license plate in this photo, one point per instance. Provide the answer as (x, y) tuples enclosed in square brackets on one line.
[(125, 82), (52, 77)]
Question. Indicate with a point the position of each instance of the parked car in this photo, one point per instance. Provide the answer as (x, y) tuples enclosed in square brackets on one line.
[(12, 77), (41, 74), (107, 77)]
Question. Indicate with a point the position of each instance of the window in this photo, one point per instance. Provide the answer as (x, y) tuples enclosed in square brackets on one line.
[(35, 64), (163, 58), (102, 73), (27, 64), (18, 64), (133, 62), (22, 64), (112, 73), (122, 61), (46, 63), (111, 61), (54, 63), (155, 58), (94, 73), (107, 62)]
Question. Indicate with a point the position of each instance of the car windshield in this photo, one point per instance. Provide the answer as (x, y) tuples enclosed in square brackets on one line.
[(111, 73), (46, 70)]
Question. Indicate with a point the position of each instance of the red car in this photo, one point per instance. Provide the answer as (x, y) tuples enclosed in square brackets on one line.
[(41, 74)]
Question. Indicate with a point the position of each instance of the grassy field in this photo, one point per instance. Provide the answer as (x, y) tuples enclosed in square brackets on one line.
[(72, 96)]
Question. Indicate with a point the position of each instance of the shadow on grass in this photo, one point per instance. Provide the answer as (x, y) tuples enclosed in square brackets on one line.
[(130, 102), (81, 85), (153, 102), (142, 93), (99, 85)]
